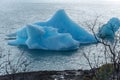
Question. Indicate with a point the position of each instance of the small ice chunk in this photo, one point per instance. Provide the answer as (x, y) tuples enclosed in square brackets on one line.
[(107, 31)]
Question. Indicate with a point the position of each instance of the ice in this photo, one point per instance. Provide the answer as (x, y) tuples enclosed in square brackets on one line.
[(57, 33), (107, 31), (64, 24), (48, 38), (21, 37)]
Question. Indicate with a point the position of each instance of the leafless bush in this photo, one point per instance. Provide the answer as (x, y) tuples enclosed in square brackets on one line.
[(10, 65), (110, 49), (2, 62)]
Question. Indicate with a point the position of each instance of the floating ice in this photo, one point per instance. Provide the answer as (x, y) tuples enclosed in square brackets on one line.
[(64, 24), (48, 38), (107, 31), (58, 33)]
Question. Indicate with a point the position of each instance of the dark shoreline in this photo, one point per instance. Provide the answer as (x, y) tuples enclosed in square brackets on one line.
[(104, 72), (51, 75)]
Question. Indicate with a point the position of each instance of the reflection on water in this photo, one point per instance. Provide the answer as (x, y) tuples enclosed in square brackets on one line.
[(52, 60), (38, 52)]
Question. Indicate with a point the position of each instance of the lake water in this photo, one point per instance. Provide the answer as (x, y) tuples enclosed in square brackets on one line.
[(14, 16)]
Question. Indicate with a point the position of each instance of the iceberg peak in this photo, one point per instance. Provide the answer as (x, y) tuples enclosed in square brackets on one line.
[(64, 24), (59, 15)]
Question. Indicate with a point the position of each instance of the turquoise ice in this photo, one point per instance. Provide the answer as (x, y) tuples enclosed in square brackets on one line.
[(107, 31), (57, 33)]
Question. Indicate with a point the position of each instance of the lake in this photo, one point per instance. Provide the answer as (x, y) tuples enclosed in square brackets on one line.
[(17, 15)]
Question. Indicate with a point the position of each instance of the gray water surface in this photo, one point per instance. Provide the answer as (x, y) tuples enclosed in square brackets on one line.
[(17, 15)]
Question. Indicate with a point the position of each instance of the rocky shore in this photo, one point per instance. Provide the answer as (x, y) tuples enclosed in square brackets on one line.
[(51, 75), (105, 72)]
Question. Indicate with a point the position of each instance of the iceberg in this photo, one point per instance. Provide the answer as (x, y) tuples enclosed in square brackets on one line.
[(64, 24), (57, 33), (48, 38), (107, 31)]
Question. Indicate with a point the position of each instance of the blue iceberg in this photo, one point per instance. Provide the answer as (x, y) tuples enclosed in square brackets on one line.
[(58, 33), (64, 24), (107, 31)]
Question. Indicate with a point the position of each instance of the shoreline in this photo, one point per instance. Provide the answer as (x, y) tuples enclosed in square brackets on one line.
[(102, 73), (51, 75)]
